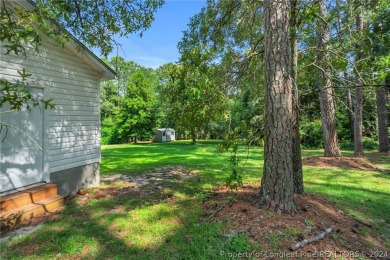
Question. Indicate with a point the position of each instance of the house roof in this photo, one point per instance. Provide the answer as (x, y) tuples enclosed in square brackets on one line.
[(79, 49)]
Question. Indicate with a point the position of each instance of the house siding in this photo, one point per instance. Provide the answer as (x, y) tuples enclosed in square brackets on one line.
[(73, 126)]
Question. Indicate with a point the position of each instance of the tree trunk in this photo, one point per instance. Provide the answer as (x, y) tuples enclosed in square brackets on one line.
[(358, 111), (348, 97), (277, 184), (296, 138), (327, 104), (193, 136), (383, 134)]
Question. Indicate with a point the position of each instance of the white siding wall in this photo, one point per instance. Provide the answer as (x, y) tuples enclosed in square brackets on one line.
[(73, 127)]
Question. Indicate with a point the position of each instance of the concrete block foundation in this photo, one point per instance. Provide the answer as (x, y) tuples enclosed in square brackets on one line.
[(71, 180)]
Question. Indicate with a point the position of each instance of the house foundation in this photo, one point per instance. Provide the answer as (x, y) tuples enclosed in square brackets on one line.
[(69, 181)]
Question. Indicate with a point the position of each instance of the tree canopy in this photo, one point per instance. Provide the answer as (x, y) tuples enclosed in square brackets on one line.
[(94, 24)]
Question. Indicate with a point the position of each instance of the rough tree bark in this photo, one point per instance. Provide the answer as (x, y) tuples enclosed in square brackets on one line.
[(296, 138), (358, 111), (349, 104), (383, 134), (277, 185), (327, 104)]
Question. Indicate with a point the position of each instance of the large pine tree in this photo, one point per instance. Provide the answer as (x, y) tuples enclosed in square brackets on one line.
[(277, 185)]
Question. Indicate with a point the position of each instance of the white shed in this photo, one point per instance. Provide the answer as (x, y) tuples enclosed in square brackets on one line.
[(67, 149), (163, 135)]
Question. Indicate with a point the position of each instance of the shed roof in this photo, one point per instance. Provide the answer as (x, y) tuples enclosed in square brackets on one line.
[(79, 49), (164, 129)]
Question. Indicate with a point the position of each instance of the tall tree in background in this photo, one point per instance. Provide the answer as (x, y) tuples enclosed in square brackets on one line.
[(128, 104), (111, 92), (296, 138), (277, 184), (349, 104), (233, 30), (382, 95), (138, 114), (358, 108), (381, 51), (192, 91), (327, 103)]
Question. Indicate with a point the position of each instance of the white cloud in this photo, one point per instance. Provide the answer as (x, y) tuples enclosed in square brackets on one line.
[(149, 62), (152, 58)]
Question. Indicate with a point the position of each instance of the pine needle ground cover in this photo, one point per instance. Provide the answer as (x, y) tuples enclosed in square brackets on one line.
[(168, 201)]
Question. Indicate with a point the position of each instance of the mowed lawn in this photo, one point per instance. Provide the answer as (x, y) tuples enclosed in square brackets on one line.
[(346, 186), (171, 224)]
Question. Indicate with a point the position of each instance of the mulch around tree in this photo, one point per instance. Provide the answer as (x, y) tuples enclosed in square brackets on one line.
[(276, 233), (361, 163)]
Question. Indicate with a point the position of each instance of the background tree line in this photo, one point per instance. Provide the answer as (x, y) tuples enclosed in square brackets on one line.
[(216, 87)]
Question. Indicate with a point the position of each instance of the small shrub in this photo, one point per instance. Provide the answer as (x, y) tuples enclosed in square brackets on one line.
[(239, 244), (234, 181), (370, 144)]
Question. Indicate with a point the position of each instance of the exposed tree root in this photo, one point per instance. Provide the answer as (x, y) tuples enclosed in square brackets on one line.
[(279, 208)]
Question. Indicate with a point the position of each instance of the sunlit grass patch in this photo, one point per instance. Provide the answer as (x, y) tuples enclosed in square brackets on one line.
[(115, 221)]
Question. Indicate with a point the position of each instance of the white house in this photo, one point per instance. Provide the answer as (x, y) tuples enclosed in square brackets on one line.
[(63, 145)]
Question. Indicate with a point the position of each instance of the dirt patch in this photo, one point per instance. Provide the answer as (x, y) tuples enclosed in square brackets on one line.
[(277, 233), (142, 186), (151, 177), (22, 231), (340, 162), (34, 221)]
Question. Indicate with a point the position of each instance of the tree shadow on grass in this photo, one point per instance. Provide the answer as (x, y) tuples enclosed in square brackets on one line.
[(371, 203), (383, 174), (122, 223), (125, 225), (204, 158)]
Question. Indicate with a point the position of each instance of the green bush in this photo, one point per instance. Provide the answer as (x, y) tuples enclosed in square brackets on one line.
[(346, 144), (370, 144), (311, 134), (109, 132), (106, 132)]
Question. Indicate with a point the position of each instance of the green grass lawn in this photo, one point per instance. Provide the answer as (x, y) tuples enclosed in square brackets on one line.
[(348, 187), (169, 224), (203, 157)]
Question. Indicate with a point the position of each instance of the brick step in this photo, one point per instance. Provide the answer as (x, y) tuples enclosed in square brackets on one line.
[(29, 211), (16, 200)]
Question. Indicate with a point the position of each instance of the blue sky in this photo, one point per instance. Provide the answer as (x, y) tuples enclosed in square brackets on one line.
[(158, 44)]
